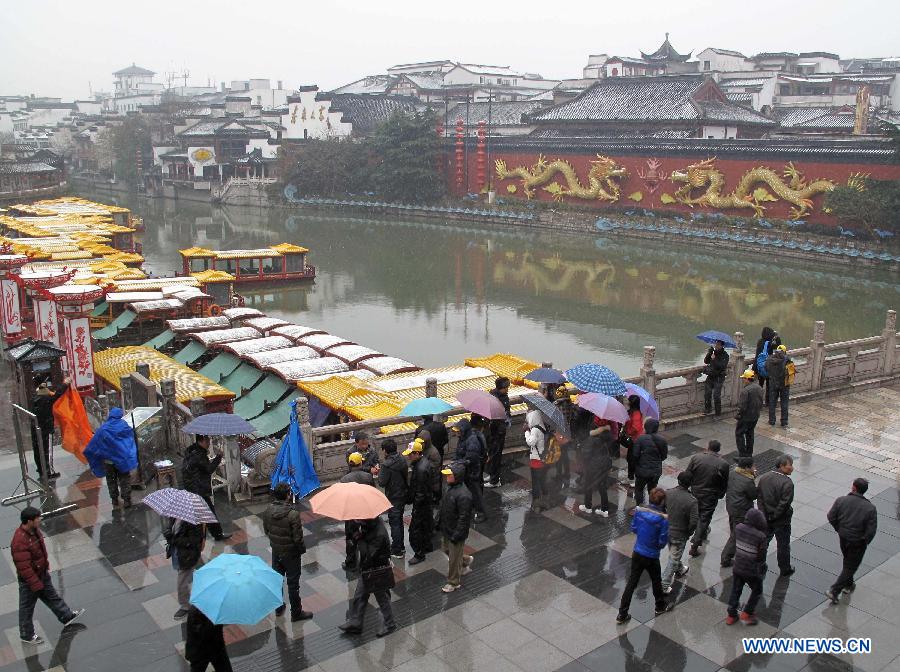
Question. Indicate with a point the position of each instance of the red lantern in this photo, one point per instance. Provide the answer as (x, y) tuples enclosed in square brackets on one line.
[(480, 155), (460, 134)]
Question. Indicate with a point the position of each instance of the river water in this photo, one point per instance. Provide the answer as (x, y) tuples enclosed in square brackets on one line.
[(435, 294)]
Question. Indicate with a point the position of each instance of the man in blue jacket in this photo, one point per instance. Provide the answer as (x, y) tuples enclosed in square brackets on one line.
[(651, 528), (112, 453)]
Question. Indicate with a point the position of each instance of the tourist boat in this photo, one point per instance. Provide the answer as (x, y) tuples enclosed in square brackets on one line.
[(279, 263)]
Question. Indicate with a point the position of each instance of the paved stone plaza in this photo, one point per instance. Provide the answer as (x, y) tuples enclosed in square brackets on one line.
[(542, 594)]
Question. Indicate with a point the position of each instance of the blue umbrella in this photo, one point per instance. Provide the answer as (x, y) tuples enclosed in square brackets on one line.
[(596, 378), (712, 336), (425, 406), (293, 464), (547, 375), (649, 407), (237, 589), (219, 424)]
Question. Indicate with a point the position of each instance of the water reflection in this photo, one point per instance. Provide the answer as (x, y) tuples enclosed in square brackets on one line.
[(435, 293)]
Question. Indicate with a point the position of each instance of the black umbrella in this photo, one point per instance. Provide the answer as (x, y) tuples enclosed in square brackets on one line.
[(550, 411)]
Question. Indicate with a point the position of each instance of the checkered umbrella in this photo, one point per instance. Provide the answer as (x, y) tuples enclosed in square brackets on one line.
[(596, 378), (180, 504)]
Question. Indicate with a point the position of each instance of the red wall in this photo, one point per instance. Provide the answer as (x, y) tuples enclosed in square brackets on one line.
[(733, 169)]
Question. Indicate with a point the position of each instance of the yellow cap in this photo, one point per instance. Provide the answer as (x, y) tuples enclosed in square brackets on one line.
[(783, 348), (355, 459), (447, 471), (416, 446), (748, 374)]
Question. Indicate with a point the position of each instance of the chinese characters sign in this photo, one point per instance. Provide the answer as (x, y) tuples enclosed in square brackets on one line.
[(9, 307), (46, 326), (80, 353)]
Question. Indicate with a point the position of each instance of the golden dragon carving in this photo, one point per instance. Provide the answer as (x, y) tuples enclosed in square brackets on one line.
[(705, 175), (602, 177)]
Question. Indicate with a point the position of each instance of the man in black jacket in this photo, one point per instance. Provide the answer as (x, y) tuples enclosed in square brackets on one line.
[(421, 489), (363, 446), (42, 405), (456, 516), (204, 644), (716, 361), (393, 477), (776, 367), (750, 401), (184, 545), (681, 508), (196, 471), (470, 450), (739, 499), (356, 474), (374, 554), (855, 519), (282, 524), (650, 451), (497, 434), (709, 481), (776, 494), (437, 430)]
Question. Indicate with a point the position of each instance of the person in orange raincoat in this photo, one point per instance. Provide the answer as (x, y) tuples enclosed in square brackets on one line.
[(72, 420)]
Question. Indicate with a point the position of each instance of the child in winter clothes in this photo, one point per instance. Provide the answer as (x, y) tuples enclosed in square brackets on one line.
[(749, 562)]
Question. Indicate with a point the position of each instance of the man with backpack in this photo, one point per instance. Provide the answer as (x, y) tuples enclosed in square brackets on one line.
[(781, 372), (750, 402), (536, 440), (716, 362), (766, 344)]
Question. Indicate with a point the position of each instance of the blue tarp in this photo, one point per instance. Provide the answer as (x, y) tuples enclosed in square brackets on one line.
[(293, 465)]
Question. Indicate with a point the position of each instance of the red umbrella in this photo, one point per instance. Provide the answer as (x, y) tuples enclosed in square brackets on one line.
[(482, 403)]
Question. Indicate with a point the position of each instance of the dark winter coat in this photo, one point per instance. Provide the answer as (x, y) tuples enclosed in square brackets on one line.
[(741, 493), (651, 529), (373, 544), (29, 555), (436, 459), (421, 482), (683, 512), (775, 367), (282, 524), (650, 451), (717, 361), (439, 436), (709, 475), (456, 512), (204, 640), (471, 449), (854, 518), (42, 405), (394, 479), (357, 475), (370, 458), (750, 401), (599, 451), (186, 544), (750, 545), (197, 469), (112, 442), (767, 335), (775, 495)]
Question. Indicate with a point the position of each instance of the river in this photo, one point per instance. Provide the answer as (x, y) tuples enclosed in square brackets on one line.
[(436, 294)]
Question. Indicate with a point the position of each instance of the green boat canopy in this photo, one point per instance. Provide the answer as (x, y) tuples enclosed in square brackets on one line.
[(161, 340), (220, 366), (242, 378), (277, 418), (113, 328), (189, 353), (99, 309), (269, 390)]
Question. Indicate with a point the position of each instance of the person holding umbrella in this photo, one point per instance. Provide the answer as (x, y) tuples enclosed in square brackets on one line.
[(716, 361), (185, 542), (597, 465), (204, 643), (196, 471), (376, 576), (470, 450), (536, 440), (283, 527), (497, 434), (356, 474)]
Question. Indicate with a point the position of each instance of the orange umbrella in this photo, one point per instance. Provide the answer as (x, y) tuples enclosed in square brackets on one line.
[(350, 501)]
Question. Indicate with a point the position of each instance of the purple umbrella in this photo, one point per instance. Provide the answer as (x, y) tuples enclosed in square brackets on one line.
[(603, 406), (180, 504), (649, 407), (482, 403)]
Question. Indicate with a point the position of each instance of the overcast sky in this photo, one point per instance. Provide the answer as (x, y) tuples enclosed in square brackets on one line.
[(61, 47)]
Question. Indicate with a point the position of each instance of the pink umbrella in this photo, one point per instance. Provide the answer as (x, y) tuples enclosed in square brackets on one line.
[(603, 406), (482, 403)]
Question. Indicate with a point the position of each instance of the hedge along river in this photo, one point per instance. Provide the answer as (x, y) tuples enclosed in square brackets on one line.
[(437, 293)]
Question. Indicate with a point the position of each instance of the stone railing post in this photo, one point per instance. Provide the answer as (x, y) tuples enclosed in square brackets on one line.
[(738, 363), (113, 400), (305, 426), (103, 401), (144, 369), (125, 385), (648, 373), (197, 406), (431, 388), (166, 401), (890, 343), (817, 356)]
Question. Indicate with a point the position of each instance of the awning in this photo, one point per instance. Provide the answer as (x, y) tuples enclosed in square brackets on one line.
[(99, 309), (276, 419), (161, 340), (189, 353), (270, 390), (242, 378), (220, 366), (112, 329)]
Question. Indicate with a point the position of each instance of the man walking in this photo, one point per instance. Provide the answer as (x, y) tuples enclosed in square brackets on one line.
[(456, 516), (749, 567), (393, 477), (650, 451), (739, 498), (185, 546), (376, 577), (421, 489), (681, 508), (497, 434), (112, 452), (651, 535), (716, 361), (282, 525), (709, 481), (855, 519), (777, 366), (196, 472), (470, 450), (750, 401), (776, 494), (29, 554), (356, 474)]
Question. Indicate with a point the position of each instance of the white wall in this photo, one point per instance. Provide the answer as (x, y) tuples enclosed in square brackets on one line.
[(722, 62), (47, 116), (720, 132), (268, 151), (320, 121), (89, 106)]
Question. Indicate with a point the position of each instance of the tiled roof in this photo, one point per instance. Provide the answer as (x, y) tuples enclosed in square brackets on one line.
[(729, 112), (24, 167), (134, 70), (367, 112), (227, 127), (740, 98), (666, 52), (501, 113), (726, 52), (815, 117), (611, 134), (750, 81), (435, 81), (368, 85)]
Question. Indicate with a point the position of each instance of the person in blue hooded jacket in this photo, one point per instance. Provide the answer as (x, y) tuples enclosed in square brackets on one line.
[(651, 528), (112, 453)]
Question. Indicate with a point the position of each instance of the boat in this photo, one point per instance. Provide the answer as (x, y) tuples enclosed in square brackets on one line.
[(275, 264)]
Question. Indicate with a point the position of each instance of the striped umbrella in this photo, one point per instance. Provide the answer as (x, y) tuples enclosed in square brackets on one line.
[(180, 504), (596, 378)]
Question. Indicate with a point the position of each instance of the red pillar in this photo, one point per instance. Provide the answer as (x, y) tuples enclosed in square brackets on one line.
[(460, 133), (480, 157)]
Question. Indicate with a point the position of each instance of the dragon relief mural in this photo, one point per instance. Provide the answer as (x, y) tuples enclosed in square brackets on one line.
[(751, 189), (602, 184)]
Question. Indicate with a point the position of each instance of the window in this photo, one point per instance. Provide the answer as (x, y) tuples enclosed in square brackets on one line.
[(615, 72), (706, 65)]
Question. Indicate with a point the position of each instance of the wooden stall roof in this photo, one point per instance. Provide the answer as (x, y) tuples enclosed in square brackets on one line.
[(503, 364), (112, 364), (298, 370)]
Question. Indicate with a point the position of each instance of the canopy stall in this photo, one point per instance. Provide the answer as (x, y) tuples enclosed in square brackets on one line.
[(267, 392), (125, 318), (322, 342), (295, 332), (217, 336), (220, 366), (256, 345), (265, 324), (298, 370), (190, 353), (241, 313), (194, 324), (276, 419), (353, 354), (296, 353), (244, 377), (385, 366), (161, 340)]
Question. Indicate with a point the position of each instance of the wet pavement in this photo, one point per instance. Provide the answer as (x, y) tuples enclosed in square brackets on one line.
[(542, 594)]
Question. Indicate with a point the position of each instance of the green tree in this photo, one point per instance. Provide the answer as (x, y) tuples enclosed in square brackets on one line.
[(132, 148), (873, 204), (406, 153), (331, 168)]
